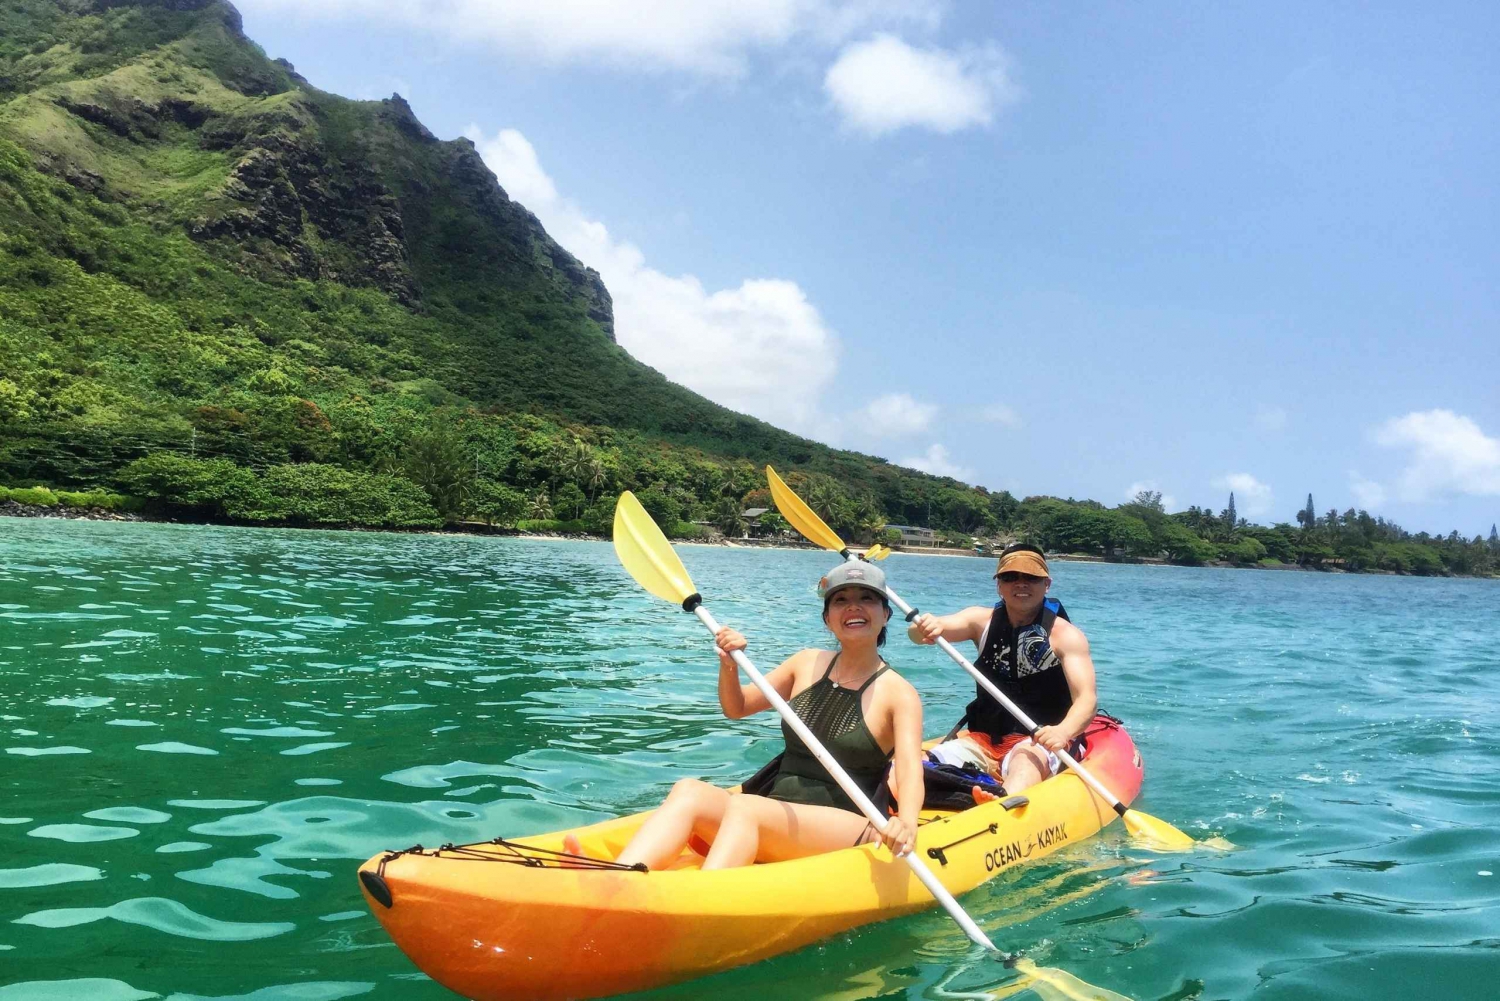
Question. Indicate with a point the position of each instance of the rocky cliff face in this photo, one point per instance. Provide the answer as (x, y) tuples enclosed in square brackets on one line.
[(205, 133)]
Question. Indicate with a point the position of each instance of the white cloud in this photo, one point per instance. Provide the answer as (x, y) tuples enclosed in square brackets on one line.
[(1270, 418), (1367, 493), (760, 348), (884, 84), (937, 462), (708, 37), (1252, 498), (895, 415), (999, 413), (1449, 455), (1167, 500)]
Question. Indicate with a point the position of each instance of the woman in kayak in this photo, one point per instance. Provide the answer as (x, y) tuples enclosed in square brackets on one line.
[(860, 709)]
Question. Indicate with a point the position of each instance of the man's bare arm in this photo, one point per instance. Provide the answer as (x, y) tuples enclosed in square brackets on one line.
[(1072, 649), (967, 624)]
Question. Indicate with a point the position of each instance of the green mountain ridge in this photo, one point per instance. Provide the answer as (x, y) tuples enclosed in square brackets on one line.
[(237, 296), (158, 150)]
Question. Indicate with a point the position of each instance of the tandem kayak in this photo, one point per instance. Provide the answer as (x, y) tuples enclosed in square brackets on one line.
[(504, 920)]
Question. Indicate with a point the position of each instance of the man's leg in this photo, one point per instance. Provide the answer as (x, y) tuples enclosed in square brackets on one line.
[(1025, 766)]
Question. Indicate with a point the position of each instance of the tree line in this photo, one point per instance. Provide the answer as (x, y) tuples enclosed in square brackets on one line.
[(395, 461)]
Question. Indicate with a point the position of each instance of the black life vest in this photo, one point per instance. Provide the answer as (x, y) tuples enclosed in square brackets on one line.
[(1022, 664)]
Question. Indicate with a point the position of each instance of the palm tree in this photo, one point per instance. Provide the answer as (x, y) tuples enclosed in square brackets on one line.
[(539, 507), (435, 462), (598, 476), (728, 518), (574, 464)]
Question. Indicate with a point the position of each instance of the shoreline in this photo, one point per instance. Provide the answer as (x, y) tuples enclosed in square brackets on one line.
[(12, 509)]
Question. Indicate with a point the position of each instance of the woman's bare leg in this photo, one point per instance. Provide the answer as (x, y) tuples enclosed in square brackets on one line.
[(757, 829), (693, 807)]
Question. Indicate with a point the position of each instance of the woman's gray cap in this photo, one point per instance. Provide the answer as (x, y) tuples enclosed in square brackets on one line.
[(853, 575)]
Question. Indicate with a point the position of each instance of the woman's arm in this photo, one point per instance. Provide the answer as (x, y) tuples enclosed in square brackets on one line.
[(739, 701), (900, 834)]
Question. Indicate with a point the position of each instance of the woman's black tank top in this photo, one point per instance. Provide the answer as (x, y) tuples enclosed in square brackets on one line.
[(835, 717)]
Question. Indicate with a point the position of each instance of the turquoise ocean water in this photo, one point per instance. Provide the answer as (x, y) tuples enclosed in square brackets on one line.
[(205, 730)]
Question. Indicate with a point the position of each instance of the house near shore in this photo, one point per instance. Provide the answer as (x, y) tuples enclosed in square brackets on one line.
[(753, 527), (912, 535)]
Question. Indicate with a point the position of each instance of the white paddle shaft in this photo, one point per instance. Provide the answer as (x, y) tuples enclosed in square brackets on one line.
[(928, 878), (1012, 708)]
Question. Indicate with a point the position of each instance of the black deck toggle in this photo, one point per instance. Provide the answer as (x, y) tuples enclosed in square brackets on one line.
[(377, 887)]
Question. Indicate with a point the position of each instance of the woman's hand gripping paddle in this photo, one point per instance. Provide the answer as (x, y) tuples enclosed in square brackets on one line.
[(1155, 833), (648, 556)]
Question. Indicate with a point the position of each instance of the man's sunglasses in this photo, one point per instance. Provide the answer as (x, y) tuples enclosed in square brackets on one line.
[(1011, 576)]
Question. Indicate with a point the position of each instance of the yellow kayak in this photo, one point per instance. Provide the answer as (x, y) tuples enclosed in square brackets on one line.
[(507, 920)]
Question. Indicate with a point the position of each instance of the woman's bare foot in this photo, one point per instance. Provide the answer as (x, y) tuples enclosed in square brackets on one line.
[(982, 795), (571, 846)]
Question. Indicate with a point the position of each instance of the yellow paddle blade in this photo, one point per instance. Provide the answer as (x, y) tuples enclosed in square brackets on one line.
[(1058, 985), (645, 552), (878, 552), (1158, 834), (803, 518)]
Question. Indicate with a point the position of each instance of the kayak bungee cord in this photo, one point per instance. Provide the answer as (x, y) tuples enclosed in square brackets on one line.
[(514, 854), (527, 855)]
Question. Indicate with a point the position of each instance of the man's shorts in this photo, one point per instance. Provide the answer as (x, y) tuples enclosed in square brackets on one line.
[(978, 751)]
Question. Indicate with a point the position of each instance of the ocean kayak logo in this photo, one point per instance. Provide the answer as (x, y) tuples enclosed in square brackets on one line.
[(1015, 851)]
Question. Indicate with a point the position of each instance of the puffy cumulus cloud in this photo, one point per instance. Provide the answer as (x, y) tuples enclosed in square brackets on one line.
[(938, 463), (760, 348), (1449, 454), (1252, 498), (709, 37), (1150, 486), (896, 415), (1367, 493), (884, 84)]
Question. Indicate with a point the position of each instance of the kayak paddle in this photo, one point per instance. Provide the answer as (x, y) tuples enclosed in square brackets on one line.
[(650, 559), (1158, 833)]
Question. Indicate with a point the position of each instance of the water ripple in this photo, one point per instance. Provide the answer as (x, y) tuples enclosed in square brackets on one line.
[(1337, 729), (163, 915)]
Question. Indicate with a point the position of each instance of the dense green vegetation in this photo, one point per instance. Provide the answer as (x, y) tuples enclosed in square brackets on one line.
[(233, 296), (201, 254), (1352, 540)]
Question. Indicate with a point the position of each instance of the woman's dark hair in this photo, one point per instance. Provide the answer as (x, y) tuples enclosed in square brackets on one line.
[(884, 603)]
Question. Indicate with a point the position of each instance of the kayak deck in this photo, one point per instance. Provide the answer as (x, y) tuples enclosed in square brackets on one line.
[(494, 928)]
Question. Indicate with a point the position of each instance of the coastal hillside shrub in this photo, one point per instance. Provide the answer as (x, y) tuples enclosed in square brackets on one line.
[(1182, 545), (497, 503), (40, 496), (102, 500), (215, 488), (688, 532), (34, 496), (315, 494), (1242, 551)]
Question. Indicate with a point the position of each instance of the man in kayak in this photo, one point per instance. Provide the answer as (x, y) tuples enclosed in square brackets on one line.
[(859, 709), (1032, 653)]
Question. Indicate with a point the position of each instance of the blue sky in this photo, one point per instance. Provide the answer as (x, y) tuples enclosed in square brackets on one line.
[(1061, 249)]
